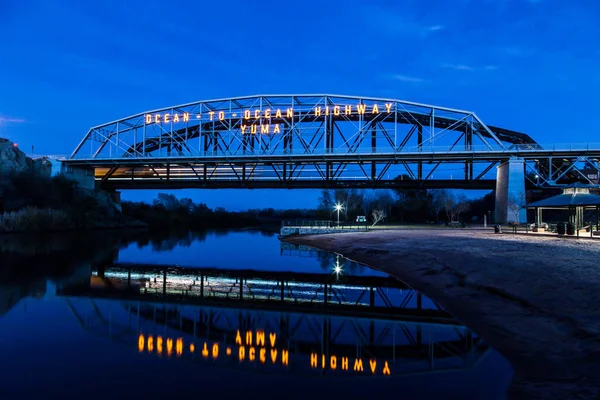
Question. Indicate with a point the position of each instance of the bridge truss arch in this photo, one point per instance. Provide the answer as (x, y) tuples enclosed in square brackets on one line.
[(307, 141)]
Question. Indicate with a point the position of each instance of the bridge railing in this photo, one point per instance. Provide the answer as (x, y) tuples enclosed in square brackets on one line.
[(431, 149)]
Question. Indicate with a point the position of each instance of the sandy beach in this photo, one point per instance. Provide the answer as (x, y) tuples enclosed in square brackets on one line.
[(534, 299)]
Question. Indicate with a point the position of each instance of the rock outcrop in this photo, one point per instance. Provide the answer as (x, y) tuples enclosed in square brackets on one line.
[(13, 159)]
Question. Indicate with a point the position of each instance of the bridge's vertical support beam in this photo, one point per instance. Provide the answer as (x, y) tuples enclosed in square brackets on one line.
[(468, 147), (284, 174), (328, 134), (374, 150), (420, 146), (244, 172), (510, 192)]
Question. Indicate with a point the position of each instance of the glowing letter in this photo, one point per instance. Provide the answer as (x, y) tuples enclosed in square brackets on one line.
[(148, 118), (285, 357), (264, 128), (326, 110), (253, 129), (210, 114), (373, 364), (358, 365), (159, 345), (169, 346), (179, 346), (386, 369), (251, 354), (278, 113), (375, 109), (215, 350), (166, 118), (186, 117), (348, 110), (205, 350), (290, 113), (141, 343), (192, 347), (260, 338), (242, 353), (313, 360), (238, 338), (388, 107), (345, 363), (244, 129), (256, 113), (268, 113), (273, 355), (272, 337), (336, 110), (317, 111), (176, 118), (249, 338), (323, 361), (262, 355), (276, 130), (333, 362), (150, 344), (247, 114), (221, 115), (361, 108), (157, 118)]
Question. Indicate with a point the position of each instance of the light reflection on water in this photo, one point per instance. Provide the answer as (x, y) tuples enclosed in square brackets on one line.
[(67, 343)]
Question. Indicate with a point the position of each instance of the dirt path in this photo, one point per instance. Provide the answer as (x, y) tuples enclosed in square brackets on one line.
[(534, 299)]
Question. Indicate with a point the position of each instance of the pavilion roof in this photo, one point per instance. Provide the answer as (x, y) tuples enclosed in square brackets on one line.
[(566, 200)]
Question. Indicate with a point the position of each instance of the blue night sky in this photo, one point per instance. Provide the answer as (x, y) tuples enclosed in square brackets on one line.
[(525, 65)]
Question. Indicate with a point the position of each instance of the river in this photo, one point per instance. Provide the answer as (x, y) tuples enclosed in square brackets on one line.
[(227, 313)]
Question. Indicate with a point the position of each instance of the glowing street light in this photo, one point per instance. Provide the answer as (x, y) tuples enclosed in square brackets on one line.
[(338, 207)]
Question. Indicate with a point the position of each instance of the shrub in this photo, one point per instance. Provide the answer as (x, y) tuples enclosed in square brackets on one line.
[(33, 219)]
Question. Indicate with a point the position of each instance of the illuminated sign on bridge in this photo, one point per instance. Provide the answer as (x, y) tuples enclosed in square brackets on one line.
[(264, 121)]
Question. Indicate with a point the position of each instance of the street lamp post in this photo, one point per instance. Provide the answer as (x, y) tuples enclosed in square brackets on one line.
[(338, 207)]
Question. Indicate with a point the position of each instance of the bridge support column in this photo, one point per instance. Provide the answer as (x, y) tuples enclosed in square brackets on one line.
[(510, 192), (115, 197), (83, 176)]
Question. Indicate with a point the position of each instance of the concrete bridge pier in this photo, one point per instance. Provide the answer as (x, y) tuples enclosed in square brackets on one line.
[(85, 178), (510, 192)]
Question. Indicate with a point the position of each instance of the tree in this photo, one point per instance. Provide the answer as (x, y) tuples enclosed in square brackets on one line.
[(350, 199), (379, 201), (516, 201), (413, 203), (454, 206), (439, 198), (378, 214)]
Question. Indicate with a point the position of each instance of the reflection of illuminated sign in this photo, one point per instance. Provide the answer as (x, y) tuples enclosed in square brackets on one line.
[(252, 346), (255, 121)]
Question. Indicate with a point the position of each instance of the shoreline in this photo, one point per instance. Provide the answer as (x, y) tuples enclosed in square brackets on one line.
[(534, 299)]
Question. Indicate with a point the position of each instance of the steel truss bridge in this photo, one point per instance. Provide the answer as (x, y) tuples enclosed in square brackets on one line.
[(308, 336), (318, 141)]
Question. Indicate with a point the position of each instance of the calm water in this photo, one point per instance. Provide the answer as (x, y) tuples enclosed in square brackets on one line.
[(223, 313)]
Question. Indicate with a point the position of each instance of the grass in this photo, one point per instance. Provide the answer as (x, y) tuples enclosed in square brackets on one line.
[(33, 219)]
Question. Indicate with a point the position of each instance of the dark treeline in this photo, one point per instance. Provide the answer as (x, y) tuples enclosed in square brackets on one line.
[(167, 211), (33, 202), (404, 205)]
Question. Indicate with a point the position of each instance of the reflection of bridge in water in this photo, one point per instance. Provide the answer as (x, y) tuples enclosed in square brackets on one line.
[(316, 322), (332, 294)]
